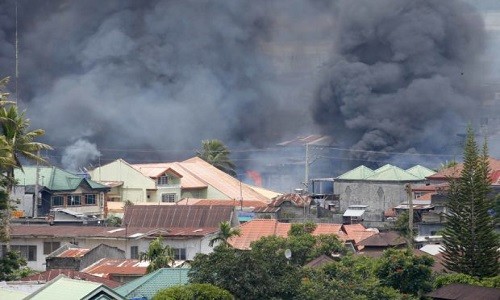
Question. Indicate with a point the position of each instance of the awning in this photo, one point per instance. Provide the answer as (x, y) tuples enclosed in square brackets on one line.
[(354, 212)]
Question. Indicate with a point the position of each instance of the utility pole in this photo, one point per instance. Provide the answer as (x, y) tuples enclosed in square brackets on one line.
[(410, 212), (37, 179), (306, 179)]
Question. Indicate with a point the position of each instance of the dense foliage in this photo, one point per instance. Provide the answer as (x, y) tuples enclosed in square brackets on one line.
[(193, 291), (469, 238), (158, 255)]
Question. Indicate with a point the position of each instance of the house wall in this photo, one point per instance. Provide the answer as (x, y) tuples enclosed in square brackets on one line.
[(194, 193), (213, 193), (135, 184), (192, 246), (378, 195), (99, 252), (289, 211)]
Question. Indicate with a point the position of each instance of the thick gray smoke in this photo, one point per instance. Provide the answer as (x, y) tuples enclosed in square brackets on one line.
[(404, 78), (148, 80), (159, 75), (79, 154)]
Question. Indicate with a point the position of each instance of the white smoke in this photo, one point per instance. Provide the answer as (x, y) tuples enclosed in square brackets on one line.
[(79, 155)]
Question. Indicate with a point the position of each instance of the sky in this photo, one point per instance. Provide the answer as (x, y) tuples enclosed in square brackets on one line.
[(149, 80)]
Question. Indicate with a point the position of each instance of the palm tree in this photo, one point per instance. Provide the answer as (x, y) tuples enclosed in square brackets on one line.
[(159, 256), (16, 143), (224, 234), (217, 154)]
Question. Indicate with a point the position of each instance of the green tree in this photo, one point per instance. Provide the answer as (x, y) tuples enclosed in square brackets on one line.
[(114, 221), (469, 238), (217, 154), (159, 256), (10, 265), (193, 291), (224, 234), (406, 272), (16, 142)]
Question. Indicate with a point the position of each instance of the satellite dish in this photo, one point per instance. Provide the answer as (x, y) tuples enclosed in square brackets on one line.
[(288, 253)]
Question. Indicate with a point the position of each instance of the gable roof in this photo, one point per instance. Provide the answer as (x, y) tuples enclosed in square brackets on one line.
[(62, 287), (296, 199), (153, 170), (358, 232), (149, 284), (319, 261), (51, 274), (209, 202), (358, 173), (392, 173), (255, 229), (455, 171), (53, 178), (420, 171), (383, 239), (177, 216)]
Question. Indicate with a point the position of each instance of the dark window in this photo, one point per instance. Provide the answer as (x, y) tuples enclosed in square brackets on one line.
[(179, 253), (26, 251), (74, 200), (90, 199), (163, 180), (49, 247), (57, 200), (134, 252), (168, 197)]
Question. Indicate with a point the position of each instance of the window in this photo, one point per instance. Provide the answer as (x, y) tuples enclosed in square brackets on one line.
[(74, 200), (179, 253), (57, 200), (90, 199), (162, 180), (49, 247), (168, 197), (27, 252), (134, 252)]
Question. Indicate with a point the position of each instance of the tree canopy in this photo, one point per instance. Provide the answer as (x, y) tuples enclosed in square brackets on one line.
[(469, 238), (158, 255), (217, 154)]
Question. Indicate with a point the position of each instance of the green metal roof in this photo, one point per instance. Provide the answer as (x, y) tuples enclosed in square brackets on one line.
[(148, 285), (358, 173), (420, 171), (53, 178), (392, 173), (62, 287), (11, 295)]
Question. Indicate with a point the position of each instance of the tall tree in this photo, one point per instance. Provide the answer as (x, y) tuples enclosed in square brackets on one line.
[(469, 238), (17, 142), (217, 154), (159, 256), (224, 234)]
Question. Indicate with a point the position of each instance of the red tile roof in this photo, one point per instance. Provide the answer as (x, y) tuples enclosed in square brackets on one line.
[(358, 232), (51, 274), (255, 229), (454, 172), (107, 267), (177, 216)]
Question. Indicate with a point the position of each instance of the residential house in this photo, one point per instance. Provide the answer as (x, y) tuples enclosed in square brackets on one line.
[(378, 190), (171, 182), (75, 258), (188, 229), (59, 189), (375, 245), (287, 207), (44, 277), (244, 209), (435, 194), (62, 287), (148, 285), (122, 270)]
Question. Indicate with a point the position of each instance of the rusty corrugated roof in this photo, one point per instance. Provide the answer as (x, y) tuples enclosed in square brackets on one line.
[(51, 274), (255, 229), (107, 267), (234, 202), (455, 171), (73, 252), (177, 216)]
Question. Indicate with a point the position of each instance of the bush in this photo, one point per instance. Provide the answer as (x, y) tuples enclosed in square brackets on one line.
[(197, 291)]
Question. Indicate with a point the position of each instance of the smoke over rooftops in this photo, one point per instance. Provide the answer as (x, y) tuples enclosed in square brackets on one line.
[(392, 75)]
